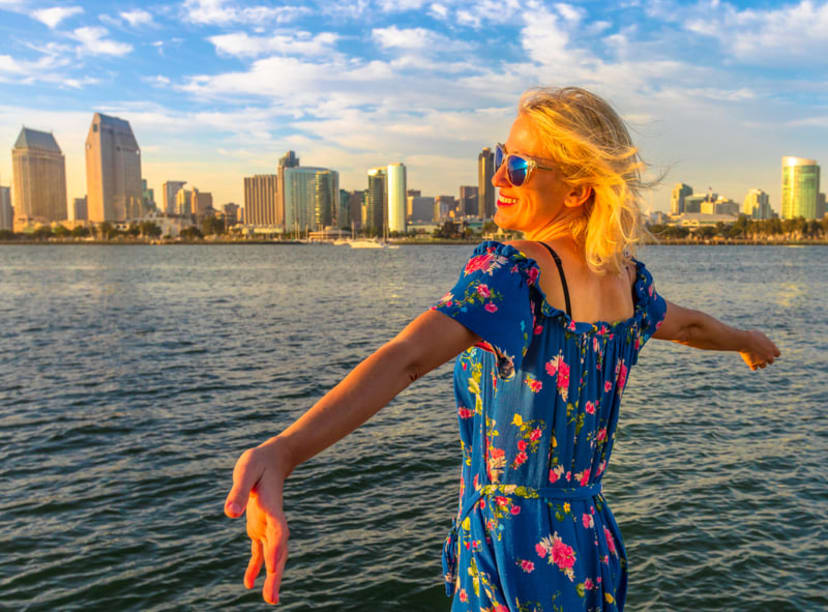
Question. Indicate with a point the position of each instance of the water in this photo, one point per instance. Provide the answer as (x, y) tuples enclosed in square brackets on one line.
[(131, 377)]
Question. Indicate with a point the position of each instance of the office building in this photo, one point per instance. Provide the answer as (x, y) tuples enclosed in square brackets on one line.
[(288, 160), (800, 187), (757, 205), (422, 208), (821, 207), (148, 197), (355, 203), (376, 199), (113, 171), (445, 207), (39, 175), (343, 215), (231, 214), (79, 210), (182, 203), (6, 210), (311, 197), (396, 198), (680, 192), (260, 200), (468, 200), (693, 203), (200, 202), (170, 190), (485, 189)]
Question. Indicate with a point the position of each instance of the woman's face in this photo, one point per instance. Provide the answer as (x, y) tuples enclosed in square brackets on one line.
[(541, 201)]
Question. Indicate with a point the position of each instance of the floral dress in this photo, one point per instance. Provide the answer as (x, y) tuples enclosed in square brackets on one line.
[(537, 402)]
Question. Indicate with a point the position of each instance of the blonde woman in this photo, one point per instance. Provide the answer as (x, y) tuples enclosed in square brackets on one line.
[(546, 330)]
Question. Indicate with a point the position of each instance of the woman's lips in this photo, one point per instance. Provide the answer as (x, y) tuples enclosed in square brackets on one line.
[(506, 201)]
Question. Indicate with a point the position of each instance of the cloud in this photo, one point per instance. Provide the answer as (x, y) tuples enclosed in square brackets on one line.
[(93, 40), (137, 17), (223, 12), (53, 16), (414, 39), (241, 44)]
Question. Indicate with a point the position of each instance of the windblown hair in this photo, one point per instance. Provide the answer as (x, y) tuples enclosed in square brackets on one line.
[(591, 146)]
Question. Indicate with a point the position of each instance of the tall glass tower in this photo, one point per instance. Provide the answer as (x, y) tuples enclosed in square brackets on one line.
[(396, 197), (376, 201), (113, 170), (39, 177), (485, 189), (800, 187)]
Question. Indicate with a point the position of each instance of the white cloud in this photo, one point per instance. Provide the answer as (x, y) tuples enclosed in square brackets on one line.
[(439, 11), (224, 12), (53, 16), (137, 17), (240, 44), (399, 6), (409, 39), (93, 40)]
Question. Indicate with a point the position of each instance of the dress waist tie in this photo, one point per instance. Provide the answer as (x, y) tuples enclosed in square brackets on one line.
[(450, 545)]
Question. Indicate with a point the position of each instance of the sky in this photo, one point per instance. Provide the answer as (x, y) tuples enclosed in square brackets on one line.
[(715, 93)]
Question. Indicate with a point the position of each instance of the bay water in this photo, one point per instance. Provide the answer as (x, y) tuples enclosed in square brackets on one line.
[(131, 377)]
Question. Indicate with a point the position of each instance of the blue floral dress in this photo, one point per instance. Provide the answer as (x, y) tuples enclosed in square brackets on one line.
[(537, 404)]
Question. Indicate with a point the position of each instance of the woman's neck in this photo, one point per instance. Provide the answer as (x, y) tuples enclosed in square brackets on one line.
[(557, 228)]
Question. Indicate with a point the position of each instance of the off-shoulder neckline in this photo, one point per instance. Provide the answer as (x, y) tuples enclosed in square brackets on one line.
[(584, 327)]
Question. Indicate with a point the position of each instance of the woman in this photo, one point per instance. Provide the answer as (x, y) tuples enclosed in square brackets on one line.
[(546, 329)]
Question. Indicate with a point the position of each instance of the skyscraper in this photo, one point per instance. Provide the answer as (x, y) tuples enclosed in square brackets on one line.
[(260, 196), (800, 187), (39, 171), (148, 196), (396, 197), (468, 200), (376, 202), (200, 201), (288, 160), (757, 205), (79, 210), (171, 189), (183, 201), (311, 197), (113, 170), (485, 189), (6, 210), (680, 192)]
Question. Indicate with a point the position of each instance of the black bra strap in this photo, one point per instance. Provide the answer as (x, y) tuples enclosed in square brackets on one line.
[(561, 272)]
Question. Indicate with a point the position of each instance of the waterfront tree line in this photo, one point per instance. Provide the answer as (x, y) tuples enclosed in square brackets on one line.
[(745, 228)]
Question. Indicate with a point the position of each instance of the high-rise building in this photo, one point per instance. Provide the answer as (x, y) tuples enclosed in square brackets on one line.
[(680, 192), (148, 196), (485, 189), (800, 187), (422, 208), (260, 197), (757, 205), (39, 174), (343, 215), (183, 200), (693, 203), (468, 200), (79, 210), (231, 214), (171, 189), (355, 203), (113, 170), (311, 197), (6, 210), (445, 207), (376, 199), (288, 160), (200, 202), (396, 197), (821, 207)]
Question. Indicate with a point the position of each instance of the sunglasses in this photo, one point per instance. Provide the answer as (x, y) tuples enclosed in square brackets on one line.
[(518, 169)]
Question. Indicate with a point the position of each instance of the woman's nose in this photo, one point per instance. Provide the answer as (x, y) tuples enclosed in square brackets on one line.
[(499, 177)]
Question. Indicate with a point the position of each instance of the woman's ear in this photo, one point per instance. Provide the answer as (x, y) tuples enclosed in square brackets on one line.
[(579, 195)]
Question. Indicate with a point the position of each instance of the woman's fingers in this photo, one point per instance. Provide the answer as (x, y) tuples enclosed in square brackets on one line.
[(254, 566), (245, 475), (275, 553)]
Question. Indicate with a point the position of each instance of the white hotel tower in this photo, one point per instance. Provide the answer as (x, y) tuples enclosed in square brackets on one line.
[(396, 198)]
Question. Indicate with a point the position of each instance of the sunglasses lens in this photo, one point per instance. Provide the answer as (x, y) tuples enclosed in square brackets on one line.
[(498, 157), (516, 168)]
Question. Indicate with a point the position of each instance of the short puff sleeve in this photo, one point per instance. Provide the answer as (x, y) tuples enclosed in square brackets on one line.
[(492, 299), (649, 304)]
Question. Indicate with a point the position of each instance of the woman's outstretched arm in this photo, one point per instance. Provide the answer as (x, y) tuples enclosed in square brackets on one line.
[(700, 330), (258, 477)]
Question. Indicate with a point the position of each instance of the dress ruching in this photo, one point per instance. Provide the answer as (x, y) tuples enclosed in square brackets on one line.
[(537, 401)]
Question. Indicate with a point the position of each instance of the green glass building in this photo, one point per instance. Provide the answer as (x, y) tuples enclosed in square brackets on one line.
[(800, 187)]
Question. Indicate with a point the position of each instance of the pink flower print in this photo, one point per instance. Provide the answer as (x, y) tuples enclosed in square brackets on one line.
[(540, 549), (605, 559), (610, 541), (590, 408), (538, 329), (552, 366), (476, 481), (572, 325), (533, 276), (483, 290), (534, 384), (659, 324), (598, 580), (465, 366), (478, 262), (607, 386), (500, 500), (520, 459), (595, 345), (569, 475), (465, 413), (563, 378), (601, 467), (521, 445), (588, 584), (515, 510), (464, 597), (602, 434), (535, 434), (527, 566), (588, 520), (489, 307), (555, 473), (584, 478), (513, 269), (637, 342), (500, 608), (563, 555), (622, 374), (446, 299)]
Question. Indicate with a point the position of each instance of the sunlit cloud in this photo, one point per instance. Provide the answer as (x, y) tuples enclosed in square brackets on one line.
[(94, 40), (53, 16)]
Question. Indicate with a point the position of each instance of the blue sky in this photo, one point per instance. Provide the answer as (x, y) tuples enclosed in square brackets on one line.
[(715, 92)]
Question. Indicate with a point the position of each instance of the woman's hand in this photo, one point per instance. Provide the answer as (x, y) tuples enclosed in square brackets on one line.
[(759, 351), (258, 482)]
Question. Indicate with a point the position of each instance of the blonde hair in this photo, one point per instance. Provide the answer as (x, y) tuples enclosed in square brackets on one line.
[(591, 146)]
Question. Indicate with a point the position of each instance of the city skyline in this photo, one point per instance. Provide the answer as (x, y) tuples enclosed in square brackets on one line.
[(715, 92)]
